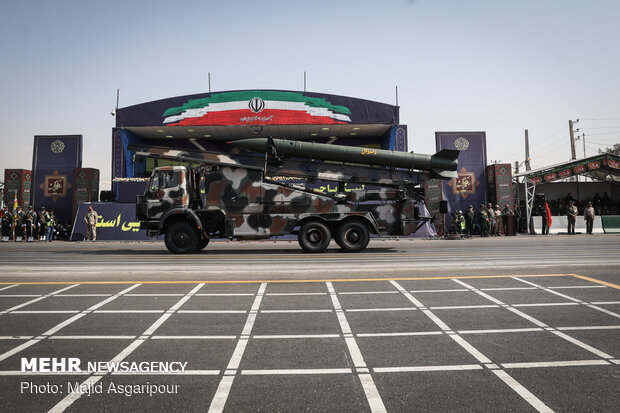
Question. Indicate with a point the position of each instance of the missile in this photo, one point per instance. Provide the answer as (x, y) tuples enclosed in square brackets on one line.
[(443, 163)]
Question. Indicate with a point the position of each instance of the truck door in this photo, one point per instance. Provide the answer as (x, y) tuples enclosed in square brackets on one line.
[(163, 193)]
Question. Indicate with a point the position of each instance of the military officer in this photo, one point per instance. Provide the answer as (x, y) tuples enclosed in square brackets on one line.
[(19, 223), (7, 224), (43, 217), (469, 221), (484, 221), (31, 223)]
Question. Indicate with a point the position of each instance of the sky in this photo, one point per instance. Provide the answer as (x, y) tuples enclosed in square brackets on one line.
[(460, 65)]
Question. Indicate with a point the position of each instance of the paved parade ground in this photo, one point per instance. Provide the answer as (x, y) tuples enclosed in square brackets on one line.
[(506, 324)]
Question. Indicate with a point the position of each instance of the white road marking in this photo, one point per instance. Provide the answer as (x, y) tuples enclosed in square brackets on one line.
[(367, 292), (578, 286), (46, 312), (500, 330), (212, 312), (451, 290), (8, 310), (193, 337), (404, 334), (353, 310), (221, 394), (410, 369), (583, 345), (8, 286), (294, 294), (128, 311), (534, 401), (590, 328), (571, 363), (464, 307), (543, 304), (372, 394), (302, 336), (72, 397), (295, 311), (92, 337), (223, 389), (294, 371)]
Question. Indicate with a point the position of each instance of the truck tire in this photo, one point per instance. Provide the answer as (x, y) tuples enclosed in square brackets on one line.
[(353, 236), (181, 238), (201, 244), (314, 237)]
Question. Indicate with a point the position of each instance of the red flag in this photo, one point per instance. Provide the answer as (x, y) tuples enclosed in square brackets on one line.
[(548, 213)]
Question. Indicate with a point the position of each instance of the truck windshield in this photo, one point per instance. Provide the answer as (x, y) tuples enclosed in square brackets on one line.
[(163, 180)]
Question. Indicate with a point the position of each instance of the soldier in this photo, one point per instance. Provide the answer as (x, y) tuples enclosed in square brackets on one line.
[(42, 218), (31, 222), (571, 216), (507, 216), (469, 221), (91, 224), (484, 221), (491, 218), (19, 224), (588, 215), (7, 224)]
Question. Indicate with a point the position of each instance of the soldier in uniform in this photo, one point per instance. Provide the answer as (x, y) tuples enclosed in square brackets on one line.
[(7, 224), (31, 222), (491, 218), (571, 216), (19, 223), (484, 221), (507, 216), (42, 218), (91, 224), (469, 221)]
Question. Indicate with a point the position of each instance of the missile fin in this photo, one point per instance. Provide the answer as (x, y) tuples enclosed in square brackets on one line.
[(446, 174), (447, 154)]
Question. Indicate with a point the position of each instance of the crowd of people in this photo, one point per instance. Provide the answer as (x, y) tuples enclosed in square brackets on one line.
[(492, 220), (25, 224)]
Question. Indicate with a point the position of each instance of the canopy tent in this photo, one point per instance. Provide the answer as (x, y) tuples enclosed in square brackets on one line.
[(601, 167)]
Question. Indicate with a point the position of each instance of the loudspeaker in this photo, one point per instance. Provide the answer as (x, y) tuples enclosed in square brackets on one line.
[(443, 207), (106, 196)]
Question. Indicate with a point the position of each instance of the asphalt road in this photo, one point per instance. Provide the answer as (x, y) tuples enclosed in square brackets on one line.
[(503, 324)]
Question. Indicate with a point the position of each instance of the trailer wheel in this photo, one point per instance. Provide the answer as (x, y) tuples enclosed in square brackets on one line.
[(353, 236), (201, 244), (314, 237), (181, 238)]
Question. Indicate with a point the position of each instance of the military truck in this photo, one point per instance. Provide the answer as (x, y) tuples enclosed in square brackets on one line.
[(245, 195)]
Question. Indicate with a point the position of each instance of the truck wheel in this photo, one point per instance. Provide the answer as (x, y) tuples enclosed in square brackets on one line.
[(353, 236), (181, 238), (202, 244), (314, 237)]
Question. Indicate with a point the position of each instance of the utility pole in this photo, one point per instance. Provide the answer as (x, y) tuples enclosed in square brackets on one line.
[(572, 139), (209, 75), (583, 136), (304, 80), (527, 152)]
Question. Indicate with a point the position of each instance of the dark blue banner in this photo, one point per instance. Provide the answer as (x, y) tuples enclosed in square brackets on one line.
[(470, 188), (54, 159), (116, 222)]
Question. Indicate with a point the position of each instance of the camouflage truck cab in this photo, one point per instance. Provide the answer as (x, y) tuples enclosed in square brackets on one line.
[(235, 197)]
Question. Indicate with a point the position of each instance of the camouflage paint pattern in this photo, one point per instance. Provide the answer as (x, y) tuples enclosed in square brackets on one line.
[(238, 188)]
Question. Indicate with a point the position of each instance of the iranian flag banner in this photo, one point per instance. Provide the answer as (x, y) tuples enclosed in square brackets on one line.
[(257, 108)]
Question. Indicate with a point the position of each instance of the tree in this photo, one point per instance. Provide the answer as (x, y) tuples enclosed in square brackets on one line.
[(614, 150)]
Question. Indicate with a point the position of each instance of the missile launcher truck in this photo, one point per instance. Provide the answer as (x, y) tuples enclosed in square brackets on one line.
[(242, 194)]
